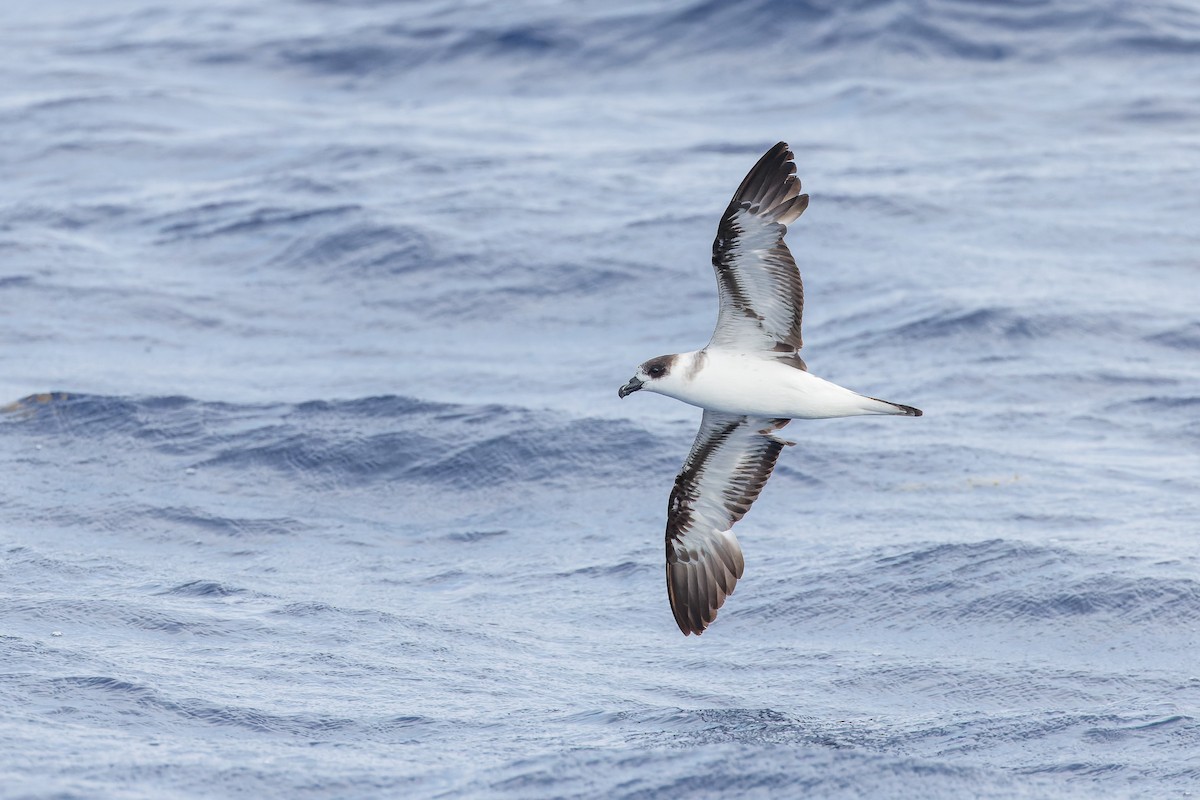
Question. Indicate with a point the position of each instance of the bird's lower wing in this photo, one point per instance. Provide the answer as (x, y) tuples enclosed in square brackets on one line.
[(728, 466)]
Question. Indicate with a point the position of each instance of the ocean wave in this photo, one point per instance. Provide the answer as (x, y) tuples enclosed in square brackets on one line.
[(994, 581), (944, 29), (1183, 337), (203, 588), (363, 249), (133, 616), (990, 323), (238, 217), (538, 37), (156, 707), (765, 769), (353, 442)]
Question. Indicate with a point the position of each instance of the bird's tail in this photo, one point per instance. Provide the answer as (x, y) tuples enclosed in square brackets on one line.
[(873, 405)]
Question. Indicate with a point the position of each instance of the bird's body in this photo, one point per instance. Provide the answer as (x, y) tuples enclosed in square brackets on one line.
[(763, 385), (750, 381)]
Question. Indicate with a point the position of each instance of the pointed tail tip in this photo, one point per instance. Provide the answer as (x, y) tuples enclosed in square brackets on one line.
[(877, 406)]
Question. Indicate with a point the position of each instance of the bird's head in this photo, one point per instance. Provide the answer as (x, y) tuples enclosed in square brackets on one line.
[(654, 375)]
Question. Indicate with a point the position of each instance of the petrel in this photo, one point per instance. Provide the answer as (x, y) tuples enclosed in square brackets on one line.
[(750, 381)]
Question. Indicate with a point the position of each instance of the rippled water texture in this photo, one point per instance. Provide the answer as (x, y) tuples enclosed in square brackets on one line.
[(316, 483)]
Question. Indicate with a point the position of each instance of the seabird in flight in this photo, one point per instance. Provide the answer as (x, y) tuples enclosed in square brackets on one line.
[(750, 381)]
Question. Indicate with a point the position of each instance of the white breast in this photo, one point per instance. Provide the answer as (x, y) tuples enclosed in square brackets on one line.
[(762, 385)]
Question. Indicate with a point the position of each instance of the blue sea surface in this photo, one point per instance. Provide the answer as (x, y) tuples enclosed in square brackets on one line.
[(314, 481)]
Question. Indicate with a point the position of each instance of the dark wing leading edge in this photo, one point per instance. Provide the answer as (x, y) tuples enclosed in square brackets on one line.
[(762, 298), (730, 462)]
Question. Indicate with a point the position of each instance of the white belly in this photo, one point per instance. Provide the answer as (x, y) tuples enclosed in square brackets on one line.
[(769, 387)]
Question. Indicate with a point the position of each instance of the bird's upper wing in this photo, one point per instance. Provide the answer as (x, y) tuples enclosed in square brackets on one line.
[(762, 298), (731, 459)]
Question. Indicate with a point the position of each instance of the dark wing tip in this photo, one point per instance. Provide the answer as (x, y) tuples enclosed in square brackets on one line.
[(699, 582), (909, 411), (771, 188)]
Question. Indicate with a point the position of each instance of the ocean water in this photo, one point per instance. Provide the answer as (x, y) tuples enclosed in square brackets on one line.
[(314, 481)]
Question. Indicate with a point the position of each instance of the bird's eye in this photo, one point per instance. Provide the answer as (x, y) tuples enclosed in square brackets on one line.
[(656, 371)]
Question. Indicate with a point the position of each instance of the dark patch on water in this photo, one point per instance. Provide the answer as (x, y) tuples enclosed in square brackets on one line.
[(203, 589)]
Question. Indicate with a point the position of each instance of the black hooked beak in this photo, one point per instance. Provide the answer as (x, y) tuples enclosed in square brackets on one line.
[(629, 388)]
